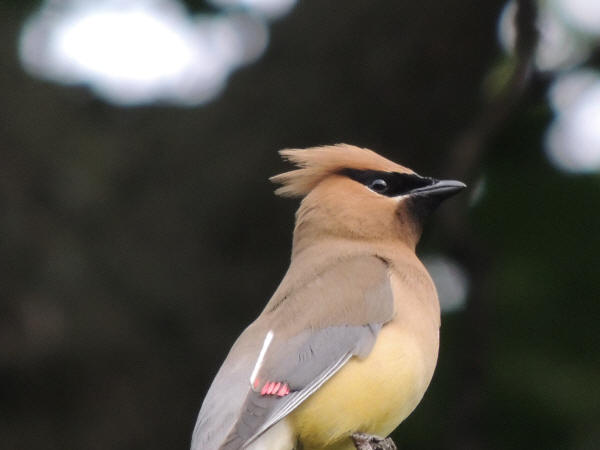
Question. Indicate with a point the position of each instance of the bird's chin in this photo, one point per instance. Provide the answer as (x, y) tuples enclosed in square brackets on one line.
[(422, 207)]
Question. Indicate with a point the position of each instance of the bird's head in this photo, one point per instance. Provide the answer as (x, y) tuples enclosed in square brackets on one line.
[(354, 193)]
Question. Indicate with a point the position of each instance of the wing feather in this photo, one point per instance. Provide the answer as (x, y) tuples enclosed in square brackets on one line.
[(304, 350)]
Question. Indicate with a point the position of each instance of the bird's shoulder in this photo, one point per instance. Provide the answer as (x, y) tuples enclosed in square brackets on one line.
[(353, 290)]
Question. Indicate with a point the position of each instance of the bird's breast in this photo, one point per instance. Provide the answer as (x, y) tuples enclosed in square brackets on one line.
[(372, 395)]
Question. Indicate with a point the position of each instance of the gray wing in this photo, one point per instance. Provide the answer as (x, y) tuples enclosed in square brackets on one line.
[(316, 328), (227, 393)]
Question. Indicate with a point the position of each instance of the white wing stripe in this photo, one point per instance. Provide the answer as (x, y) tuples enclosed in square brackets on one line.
[(261, 356)]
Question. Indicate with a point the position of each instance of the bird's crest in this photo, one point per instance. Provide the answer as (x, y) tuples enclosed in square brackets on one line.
[(314, 164)]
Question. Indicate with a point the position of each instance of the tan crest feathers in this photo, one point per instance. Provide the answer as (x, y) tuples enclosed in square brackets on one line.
[(316, 163), (295, 183)]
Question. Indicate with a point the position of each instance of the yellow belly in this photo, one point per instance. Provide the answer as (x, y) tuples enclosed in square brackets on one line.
[(372, 395)]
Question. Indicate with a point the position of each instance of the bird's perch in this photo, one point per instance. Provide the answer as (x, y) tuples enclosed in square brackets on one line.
[(364, 441)]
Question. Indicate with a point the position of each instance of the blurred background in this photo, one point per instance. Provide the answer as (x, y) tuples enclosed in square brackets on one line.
[(139, 234)]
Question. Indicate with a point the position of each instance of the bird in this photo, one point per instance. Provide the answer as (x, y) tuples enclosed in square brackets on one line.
[(348, 342)]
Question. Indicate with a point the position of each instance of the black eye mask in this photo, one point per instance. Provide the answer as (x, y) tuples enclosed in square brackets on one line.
[(390, 184)]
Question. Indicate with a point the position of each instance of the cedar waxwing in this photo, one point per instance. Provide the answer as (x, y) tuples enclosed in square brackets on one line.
[(349, 341)]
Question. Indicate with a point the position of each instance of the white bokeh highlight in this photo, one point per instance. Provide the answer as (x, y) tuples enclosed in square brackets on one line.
[(451, 281), (573, 139), (558, 46), (137, 52), (581, 14), (569, 30)]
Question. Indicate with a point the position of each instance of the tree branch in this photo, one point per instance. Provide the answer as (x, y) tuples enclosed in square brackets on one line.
[(463, 161), (363, 441)]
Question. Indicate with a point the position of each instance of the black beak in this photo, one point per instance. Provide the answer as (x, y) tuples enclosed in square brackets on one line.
[(439, 190), (426, 199)]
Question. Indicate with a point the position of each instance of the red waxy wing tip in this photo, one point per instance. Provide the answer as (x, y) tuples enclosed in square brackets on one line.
[(274, 388)]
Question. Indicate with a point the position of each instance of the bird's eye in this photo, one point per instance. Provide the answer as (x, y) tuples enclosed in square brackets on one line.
[(390, 184), (378, 185)]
